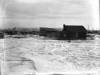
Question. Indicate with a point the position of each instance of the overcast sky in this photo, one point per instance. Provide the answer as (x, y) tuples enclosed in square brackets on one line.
[(49, 13)]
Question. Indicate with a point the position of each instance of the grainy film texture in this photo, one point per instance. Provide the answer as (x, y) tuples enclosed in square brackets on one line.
[(49, 37)]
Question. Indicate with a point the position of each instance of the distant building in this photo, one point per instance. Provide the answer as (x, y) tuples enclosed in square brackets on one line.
[(49, 32), (69, 32), (1, 35), (72, 32)]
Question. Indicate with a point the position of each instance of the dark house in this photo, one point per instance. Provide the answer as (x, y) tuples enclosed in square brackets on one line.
[(49, 32), (1, 35), (73, 32)]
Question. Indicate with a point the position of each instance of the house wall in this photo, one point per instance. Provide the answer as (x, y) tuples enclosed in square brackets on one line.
[(72, 35), (1, 35)]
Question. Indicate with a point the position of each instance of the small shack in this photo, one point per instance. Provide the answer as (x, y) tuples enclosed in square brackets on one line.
[(1, 35), (73, 32), (49, 32)]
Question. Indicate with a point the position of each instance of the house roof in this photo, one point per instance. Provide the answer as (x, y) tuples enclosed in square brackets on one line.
[(74, 28), (49, 29)]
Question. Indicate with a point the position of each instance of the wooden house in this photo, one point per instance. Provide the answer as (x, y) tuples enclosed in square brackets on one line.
[(1, 35), (72, 32), (49, 32)]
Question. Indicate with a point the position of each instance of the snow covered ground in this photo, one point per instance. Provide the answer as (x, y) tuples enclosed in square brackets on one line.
[(35, 56)]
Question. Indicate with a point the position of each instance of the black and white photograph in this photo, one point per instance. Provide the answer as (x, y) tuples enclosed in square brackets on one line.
[(49, 37)]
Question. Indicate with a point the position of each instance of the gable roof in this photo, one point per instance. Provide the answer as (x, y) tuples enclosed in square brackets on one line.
[(74, 28)]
